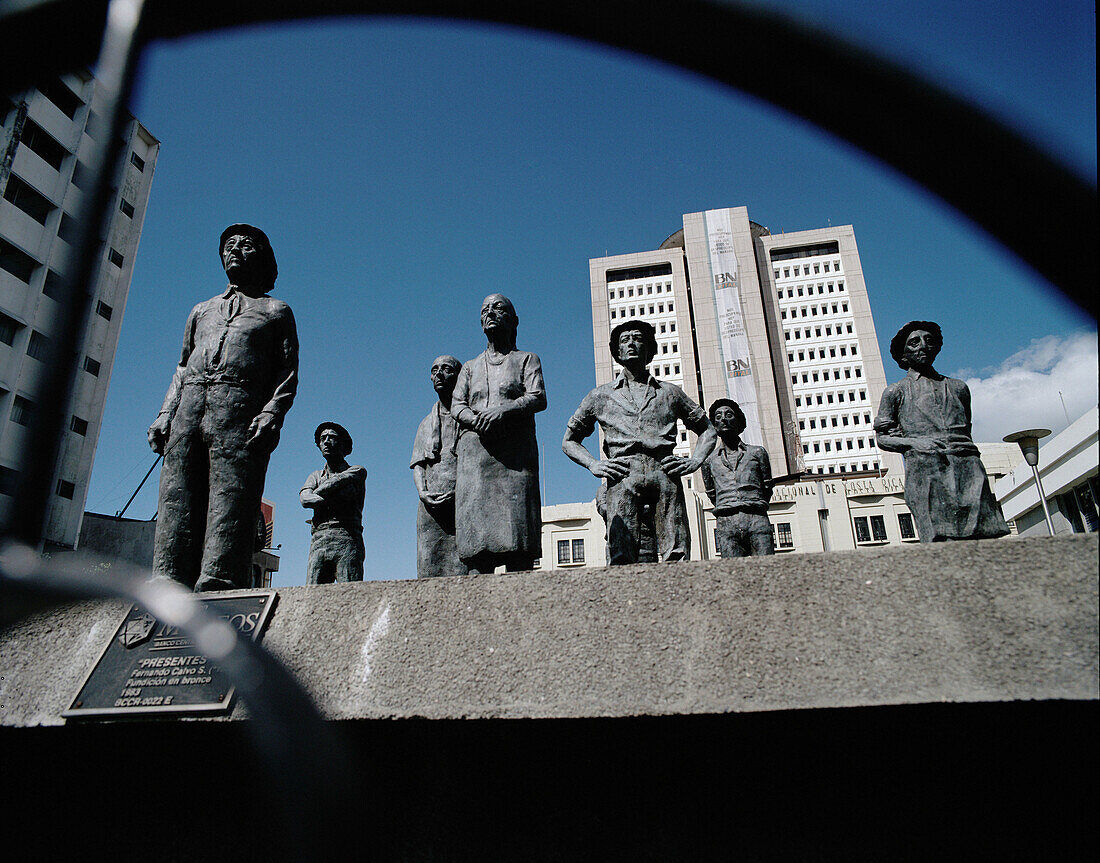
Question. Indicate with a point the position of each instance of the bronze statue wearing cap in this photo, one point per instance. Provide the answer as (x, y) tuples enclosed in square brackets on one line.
[(235, 381), (737, 477), (637, 414), (926, 417), (335, 493)]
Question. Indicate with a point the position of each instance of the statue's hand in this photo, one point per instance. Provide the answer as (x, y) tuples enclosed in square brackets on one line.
[(613, 469), (310, 498), (437, 499), (677, 466), (929, 445), (263, 430), (492, 417), (158, 433)]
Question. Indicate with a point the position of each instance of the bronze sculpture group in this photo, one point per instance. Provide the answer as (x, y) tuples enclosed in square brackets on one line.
[(475, 457)]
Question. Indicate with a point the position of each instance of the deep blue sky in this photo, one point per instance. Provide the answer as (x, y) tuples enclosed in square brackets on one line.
[(405, 169)]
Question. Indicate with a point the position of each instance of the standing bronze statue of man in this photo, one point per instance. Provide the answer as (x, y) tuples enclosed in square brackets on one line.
[(926, 417), (236, 379), (335, 493), (637, 414), (435, 469), (737, 477), (498, 513)]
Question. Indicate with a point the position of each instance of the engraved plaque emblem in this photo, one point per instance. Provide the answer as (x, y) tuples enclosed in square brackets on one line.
[(136, 630)]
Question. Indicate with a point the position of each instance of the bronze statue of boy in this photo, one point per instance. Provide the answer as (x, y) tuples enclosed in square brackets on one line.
[(926, 417), (737, 477), (336, 494), (637, 414)]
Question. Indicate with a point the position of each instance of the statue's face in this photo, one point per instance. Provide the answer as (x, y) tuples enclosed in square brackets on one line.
[(633, 346), (444, 376), (497, 313), (921, 348), (240, 256), (329, 443), (726, 419)]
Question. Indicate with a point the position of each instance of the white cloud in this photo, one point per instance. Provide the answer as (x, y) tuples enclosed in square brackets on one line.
[(1023, 391)]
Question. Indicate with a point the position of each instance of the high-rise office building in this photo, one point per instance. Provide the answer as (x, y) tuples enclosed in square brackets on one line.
[(46, 138), (779, 323)]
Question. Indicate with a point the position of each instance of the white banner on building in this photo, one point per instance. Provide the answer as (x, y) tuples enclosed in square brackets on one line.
[(732, 338)]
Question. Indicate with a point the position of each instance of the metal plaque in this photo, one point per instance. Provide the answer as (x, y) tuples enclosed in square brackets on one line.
[(152, 668)]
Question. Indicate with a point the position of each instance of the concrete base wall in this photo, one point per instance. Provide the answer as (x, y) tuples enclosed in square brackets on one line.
[(638, 713), (993, 620)]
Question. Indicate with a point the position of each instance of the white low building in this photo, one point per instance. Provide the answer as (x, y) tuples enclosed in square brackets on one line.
[(1068, 469)]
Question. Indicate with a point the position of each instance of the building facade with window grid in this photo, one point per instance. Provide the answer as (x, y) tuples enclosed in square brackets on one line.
[(810, 337), (47, 137)]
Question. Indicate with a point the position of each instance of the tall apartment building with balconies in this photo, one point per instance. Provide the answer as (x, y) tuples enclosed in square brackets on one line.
[(46, 138)]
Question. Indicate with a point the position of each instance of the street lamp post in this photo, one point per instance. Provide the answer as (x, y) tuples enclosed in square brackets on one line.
[(1028, 439)]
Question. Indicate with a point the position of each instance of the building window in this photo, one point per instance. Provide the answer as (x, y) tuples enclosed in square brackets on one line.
[(863, 530), (16, 262), (9, 478), (52, 286), (905, 523), (115, 258), (91, 366), (612, 314), (783, 537), (65, 489), (563, 551), (38, 346), (878, 528), (578, 551), (43, 144), (677, 367), (104, 310), (78, 425), (27, 199), (21, 410), (82, 176), (8, 329), (59, 93), (137, 162)]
